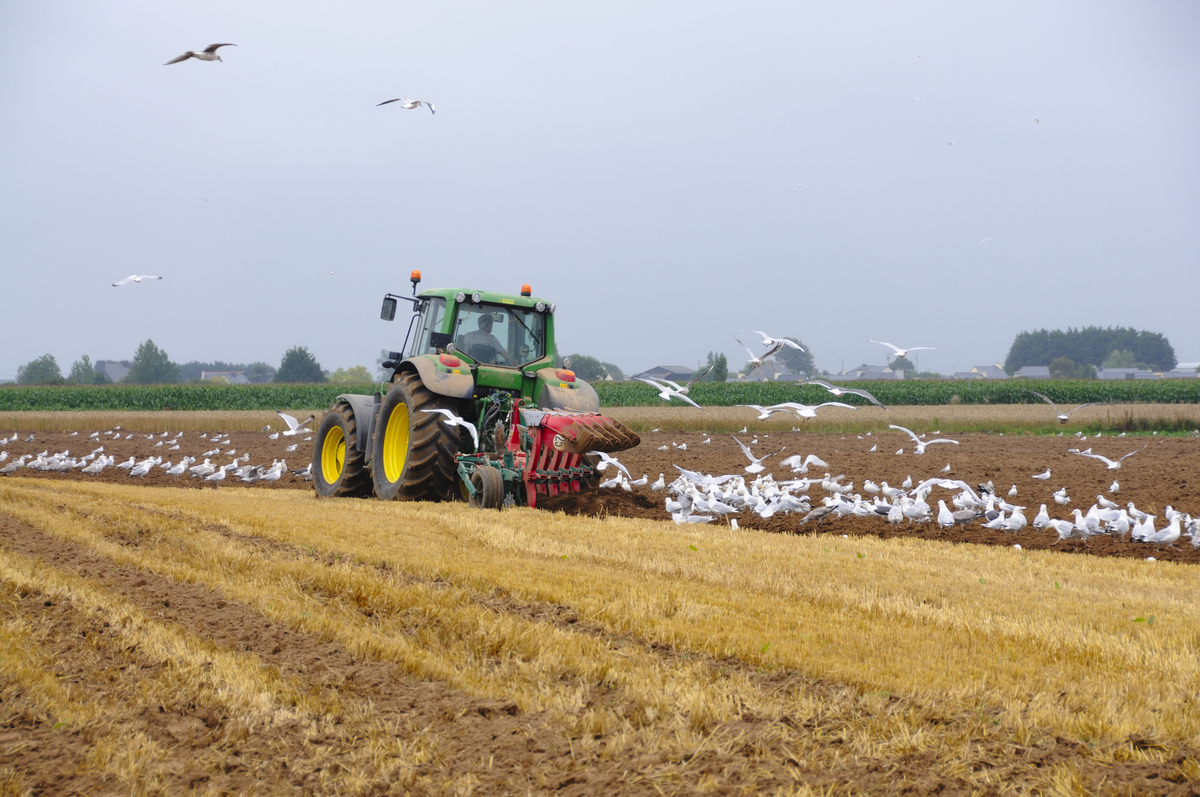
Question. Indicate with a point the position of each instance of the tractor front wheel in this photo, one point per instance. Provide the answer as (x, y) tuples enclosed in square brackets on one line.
[(412, 451), (338, 466)]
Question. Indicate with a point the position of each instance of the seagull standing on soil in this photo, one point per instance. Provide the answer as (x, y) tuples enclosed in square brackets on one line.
[(453, 420), (209, 53), (135, 278), (411, 105), (1041, 476)]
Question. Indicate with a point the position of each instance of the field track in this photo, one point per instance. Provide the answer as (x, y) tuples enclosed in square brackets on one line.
[(164, 640)]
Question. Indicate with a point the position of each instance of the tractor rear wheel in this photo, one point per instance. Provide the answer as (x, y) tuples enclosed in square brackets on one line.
[(338, 466), (489, 488), (412, 452)]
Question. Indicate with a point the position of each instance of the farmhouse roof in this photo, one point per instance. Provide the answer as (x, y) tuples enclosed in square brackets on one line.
[(116, 371), (1033, 372), (672, 372), (990, 371)]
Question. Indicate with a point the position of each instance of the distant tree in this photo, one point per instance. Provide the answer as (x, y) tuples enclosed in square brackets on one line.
[(298, 365), (797, 361), (259, 372), (1089, 346), (1066, 368), (83, 372), (587, 367), (1120, 358), (42, 371), (151, 366), (616, 373), (381, 375), (905, 363), (190, 371), (719, 365), (358, 375)]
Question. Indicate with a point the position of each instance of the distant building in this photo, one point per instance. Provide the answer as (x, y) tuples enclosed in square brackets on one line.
[(772, 371), (676, 373), (866, 372), (232, 377), (113, 369), (1033, 372), (1182, 373)]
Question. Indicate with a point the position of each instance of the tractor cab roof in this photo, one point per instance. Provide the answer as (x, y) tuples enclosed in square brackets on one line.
[(451, 294)]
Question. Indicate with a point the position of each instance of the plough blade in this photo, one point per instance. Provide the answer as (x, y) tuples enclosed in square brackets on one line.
[(580, 433)]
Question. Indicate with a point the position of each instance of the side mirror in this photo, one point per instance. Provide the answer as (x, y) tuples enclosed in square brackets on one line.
[(388, 313)]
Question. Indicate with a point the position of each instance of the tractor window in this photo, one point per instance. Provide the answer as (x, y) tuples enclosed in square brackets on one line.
[(500, 334), (430, 321)]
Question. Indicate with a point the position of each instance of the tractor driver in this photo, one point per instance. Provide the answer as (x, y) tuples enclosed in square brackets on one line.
[(484, 337)]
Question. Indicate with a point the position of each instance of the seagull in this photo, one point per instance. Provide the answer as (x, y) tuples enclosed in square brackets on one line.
[(1062, 417), (135, 278), (667, 393), (755, 465), (841, 391), (774, 343), (454, 420), (800, 464), (294, 426), (754, 358), (1041, 476), (684, 389), (409, 104), (985, 240), (1112, 464), (606, 460), (805, 411), (903, 352), (918, 441), (209, 53)]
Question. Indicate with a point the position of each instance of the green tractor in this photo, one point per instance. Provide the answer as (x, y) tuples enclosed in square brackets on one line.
[(476, 410)]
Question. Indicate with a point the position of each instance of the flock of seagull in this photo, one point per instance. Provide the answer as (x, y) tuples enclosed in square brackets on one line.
[(695, 497), (97, 460)]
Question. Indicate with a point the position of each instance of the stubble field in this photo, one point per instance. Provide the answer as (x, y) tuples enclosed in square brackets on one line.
[(160, 637)]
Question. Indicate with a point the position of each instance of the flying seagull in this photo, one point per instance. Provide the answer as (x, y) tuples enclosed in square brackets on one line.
[(918, 441), (903, 352), (209, 53), (755, 465), (1112, 464), (294, 426), (667, 393), (135, 278), (409, 104), (1062, 417), (985, 240), (453, 420), (841, 391)]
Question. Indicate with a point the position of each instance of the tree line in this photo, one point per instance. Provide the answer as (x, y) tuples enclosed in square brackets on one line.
[(1077, 353), (152, 366)]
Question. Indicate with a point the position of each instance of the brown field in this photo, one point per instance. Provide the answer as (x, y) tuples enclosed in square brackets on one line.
[(160, 638)]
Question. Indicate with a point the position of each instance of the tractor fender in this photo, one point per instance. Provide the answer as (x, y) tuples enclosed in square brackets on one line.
[(443, 383), (558, 395), (365, 409)]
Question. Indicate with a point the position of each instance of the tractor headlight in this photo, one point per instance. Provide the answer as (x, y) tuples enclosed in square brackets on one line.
[(567, 363), (477, 297), (460, 298), (451, 348), (552, 308), (540, 307)]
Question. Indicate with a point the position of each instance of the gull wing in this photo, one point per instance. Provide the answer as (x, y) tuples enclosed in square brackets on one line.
[(696, 378), (1044, 398), (385, 102), (745, 449), (212, 48), (860, 392), (1092, 404), (836, 404), (753, 358), (291, 422), (119, 283), (820, 382), (908, 432), (891, 346), (183, 57), (1131, 453)]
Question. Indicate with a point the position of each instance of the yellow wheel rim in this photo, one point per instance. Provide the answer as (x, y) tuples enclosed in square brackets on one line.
[(333, 455), (395, 443)]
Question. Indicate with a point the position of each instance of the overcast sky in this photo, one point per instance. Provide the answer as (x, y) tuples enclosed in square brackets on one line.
[(637, 163)]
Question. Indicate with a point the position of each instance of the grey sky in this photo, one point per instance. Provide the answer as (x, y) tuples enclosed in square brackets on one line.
[(636, 163)]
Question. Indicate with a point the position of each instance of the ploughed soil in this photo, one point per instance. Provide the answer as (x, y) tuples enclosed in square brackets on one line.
[(1165, 472)]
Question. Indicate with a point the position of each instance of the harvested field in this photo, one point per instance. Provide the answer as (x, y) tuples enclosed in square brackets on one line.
[(163, 638)]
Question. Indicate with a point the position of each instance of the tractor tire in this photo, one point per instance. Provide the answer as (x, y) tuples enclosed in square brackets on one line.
[(412, 452), (338, 466), (489, 488)]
